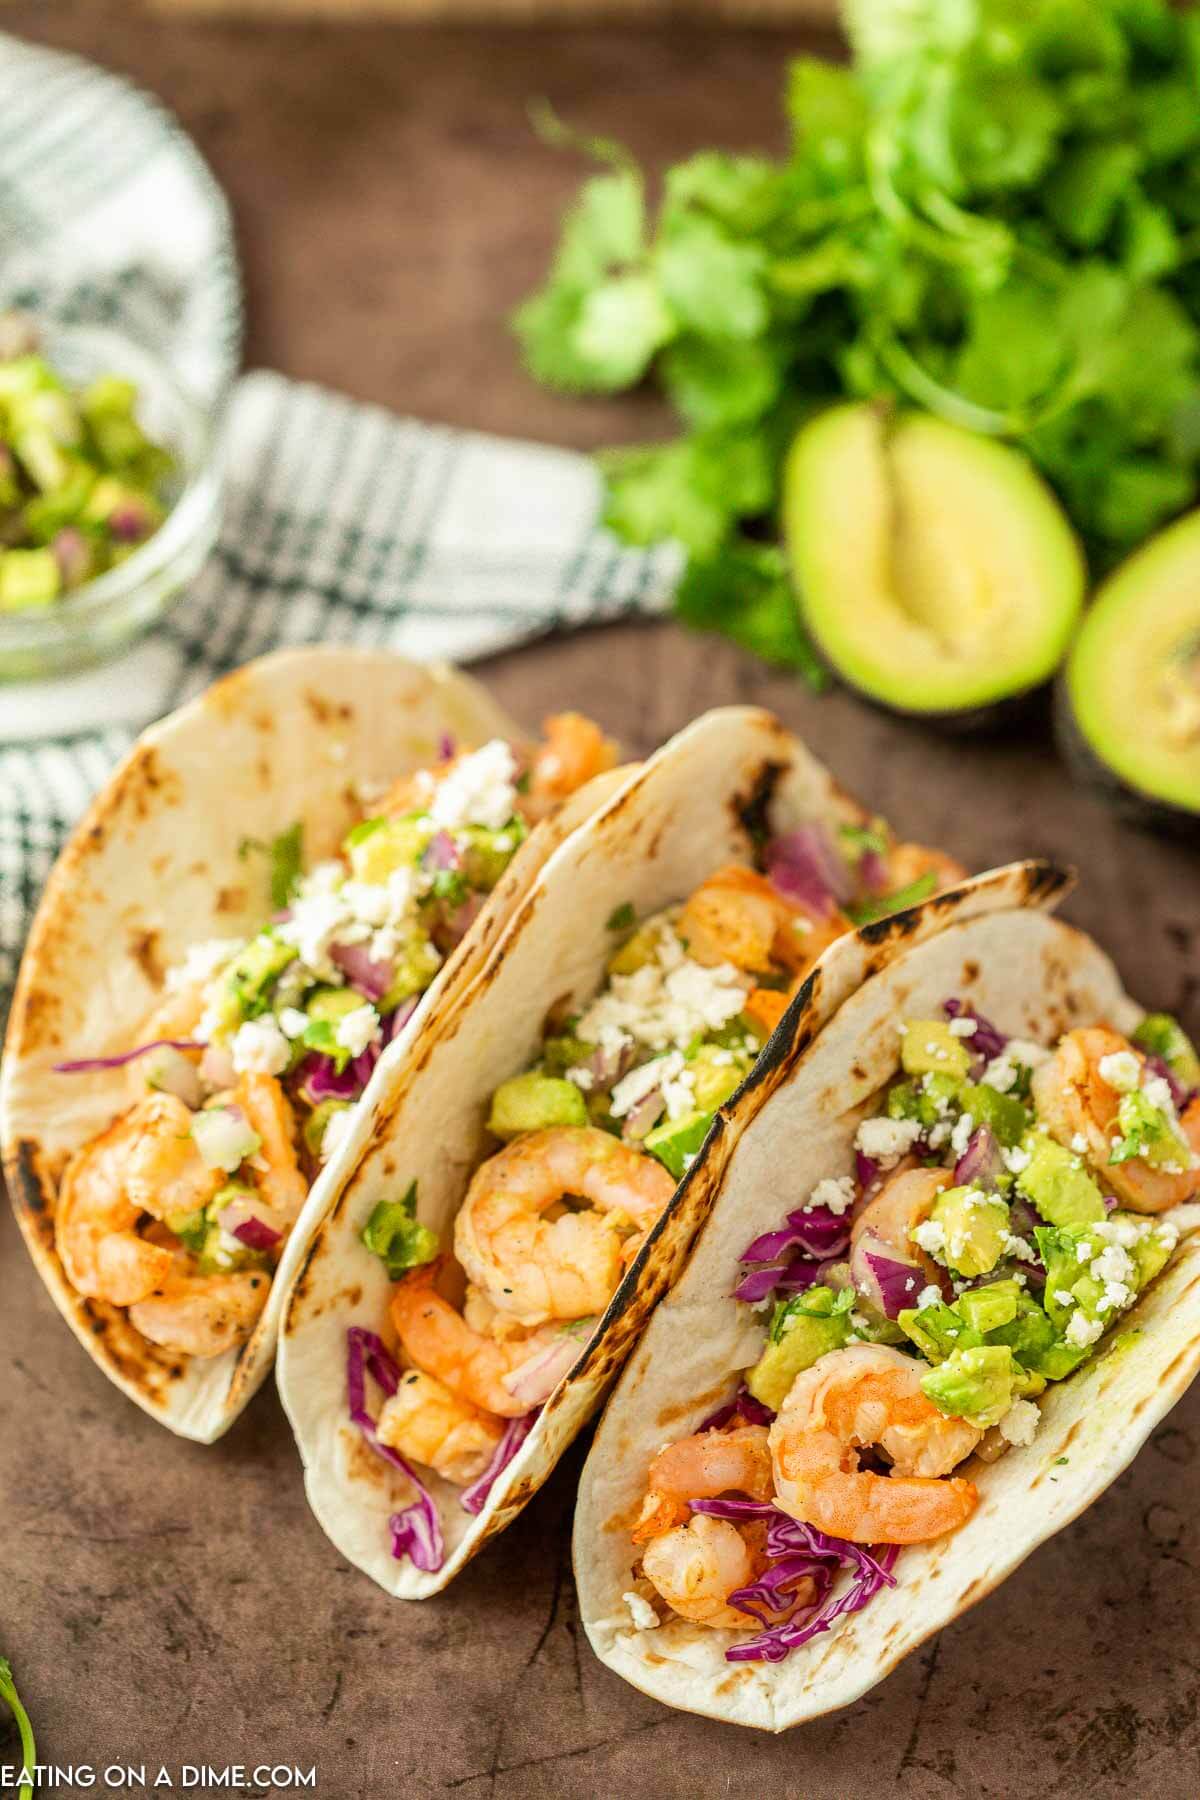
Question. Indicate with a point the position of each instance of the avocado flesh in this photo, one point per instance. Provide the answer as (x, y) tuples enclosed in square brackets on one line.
[(935, 568), (1133, 678)]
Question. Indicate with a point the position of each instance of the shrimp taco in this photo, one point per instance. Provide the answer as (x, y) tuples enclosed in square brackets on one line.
[(259, 907), (481, 1273), (945, 1290)]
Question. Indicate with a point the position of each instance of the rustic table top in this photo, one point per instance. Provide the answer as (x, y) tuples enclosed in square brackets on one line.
[(171, 1604)]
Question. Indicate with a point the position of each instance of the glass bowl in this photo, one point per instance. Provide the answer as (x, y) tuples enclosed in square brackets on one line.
[(102, 617)]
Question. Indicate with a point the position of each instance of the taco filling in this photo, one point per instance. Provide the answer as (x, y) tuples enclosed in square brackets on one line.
[(248, 1071), (596, 1134), (1001, 1218)]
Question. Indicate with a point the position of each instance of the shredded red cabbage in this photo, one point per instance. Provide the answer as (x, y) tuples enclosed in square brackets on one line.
[(441, 853), (987, 1040), (317, 1076), (416, 1530), (361, 970), (799, 1551), (87, 1065), (981, 1163), (743, 1408), (474, 1498), (793, 1257), (805, 866), (867, 1173), (256, 1234)]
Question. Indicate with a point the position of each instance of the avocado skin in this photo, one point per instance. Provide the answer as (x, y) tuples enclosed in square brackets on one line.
[(1027, 710), (1146, 812)]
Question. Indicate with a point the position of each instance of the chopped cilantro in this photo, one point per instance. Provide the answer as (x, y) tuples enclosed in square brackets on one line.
[(287, 854), (622, 917), (868, 911)]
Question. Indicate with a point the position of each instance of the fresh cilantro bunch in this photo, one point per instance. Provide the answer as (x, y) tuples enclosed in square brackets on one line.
[(993, 214)]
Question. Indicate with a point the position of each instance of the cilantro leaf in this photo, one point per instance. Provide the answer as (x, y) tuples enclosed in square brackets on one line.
[(745, 592), (712, 284), (287, 860)]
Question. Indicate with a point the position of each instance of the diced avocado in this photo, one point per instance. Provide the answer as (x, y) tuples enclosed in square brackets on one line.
[(109, 396), (1165, 1038), (1057, 1183), (1147, 1132), (937, 1330), (317, 1120), (975, 1226), (191, 1228), (218, 1252), (715, 1075), (934, 566), (412, 970), (1027, 1385), (929, 1047), (393, 1234), (804, 1328), (1003, 1114), (926, 1098), (333, 1003), (566, 1052), (676, 1142), (1150, 1254), (975, 1384), (250, 974), (28, 578), (488, 853), (20, 375), (635, 953), (872, 1326), (47, 513), (534, 1102), (388, 845), (988, 1307)]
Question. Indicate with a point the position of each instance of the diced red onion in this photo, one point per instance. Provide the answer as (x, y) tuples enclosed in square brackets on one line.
[(416, 1530), (319, 1079), (393, 1023), (533, 1381), (981, 1163), (987, 1040), (473, 1499), (643, 1116), (224, 1137), (88, 1065), (867, 1173), (1110, 1203), (131, 522), (873, 872), (446, 748), (441, 853), (361, 970), (743, 1407), (806, 866), (171, 1072), (885, 1280), (606, 1066), (243, 1220)]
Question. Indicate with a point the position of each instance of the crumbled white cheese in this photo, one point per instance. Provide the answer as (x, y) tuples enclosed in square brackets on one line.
[(640, 1611), (1079, 1144), (1064, 1296), (1082, 1330), (837, 1192), (583, 1078), (260, 1048), (1015, 1160), (885, 1141), (337, 1128), (355, 1030), (1121, 1070), (960, 1137), (964, 1028), (642, 1081), (930, 1236), (1019, 1247), (1019, 1424), (1003, 1070), (479, 789), (929, 1296), (292, 1022), (224, 1138), (202, 962), (1158, 1093), (319, 919), (679, 1091), (667, 1002)]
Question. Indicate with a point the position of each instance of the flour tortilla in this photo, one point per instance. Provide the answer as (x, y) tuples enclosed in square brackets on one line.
[(695, 805), (158, 864), (793, 1125)]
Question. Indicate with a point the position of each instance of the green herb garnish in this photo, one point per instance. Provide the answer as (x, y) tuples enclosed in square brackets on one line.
[(622, 917), (393, 1234), (868, 911), (286, 853)]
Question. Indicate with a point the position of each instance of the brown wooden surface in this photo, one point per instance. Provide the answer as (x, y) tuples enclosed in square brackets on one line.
[(169, 1603)]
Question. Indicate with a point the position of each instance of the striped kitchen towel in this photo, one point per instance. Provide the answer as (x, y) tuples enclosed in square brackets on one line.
[(342, 521)]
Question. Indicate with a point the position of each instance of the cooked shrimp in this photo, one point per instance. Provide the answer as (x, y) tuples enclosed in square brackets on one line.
[(537, 1268), (1073, 1100), (424, 1421), (276, 1167), (737, 916), (102, 1255), (574, 751), (906, 863), (766, 1006), (851, 1398), (437, 1339), (201, 1315), (165, 1172), (906, 1197), (695, 1567), (699, 1468)]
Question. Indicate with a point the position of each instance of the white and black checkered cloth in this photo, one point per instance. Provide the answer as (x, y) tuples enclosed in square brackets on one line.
[(342, 522)]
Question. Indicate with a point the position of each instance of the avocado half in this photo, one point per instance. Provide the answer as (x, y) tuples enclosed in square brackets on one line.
[(1128, 703), (935, 569)]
